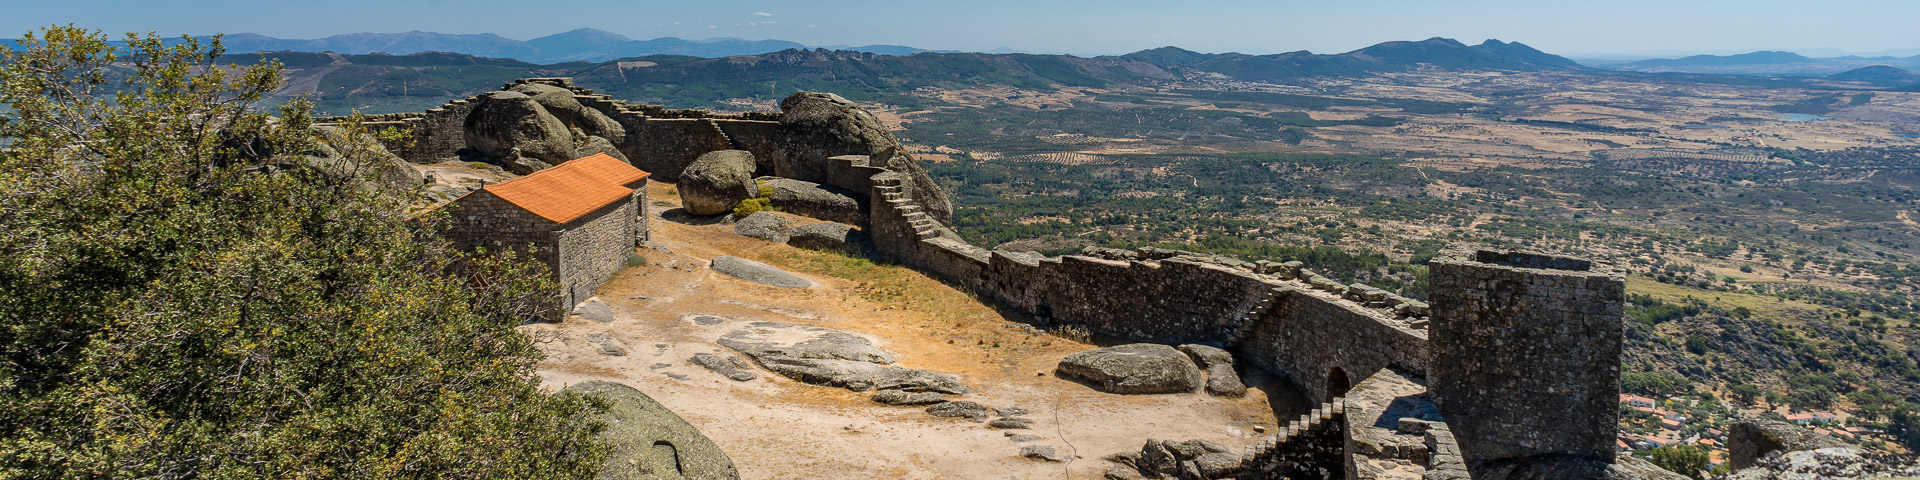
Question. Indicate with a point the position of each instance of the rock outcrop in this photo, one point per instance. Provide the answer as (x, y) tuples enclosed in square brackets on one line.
[(1222, 380), (717, 181), (1754, 438), (510, 129), (1133, 368), (830, 237), (649, 441), (816, 126), (377, 167), (560, 102), (825, 202), (827, 357)]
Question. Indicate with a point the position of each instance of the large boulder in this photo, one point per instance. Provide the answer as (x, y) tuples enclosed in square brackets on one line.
[(1133, 368), (1754, 438), (507, 126), (560, 102), (649, 441), (829, 237), (716, 181), (339, 152), (817, 126), (825, 202), (1222, 380), (586, 146)]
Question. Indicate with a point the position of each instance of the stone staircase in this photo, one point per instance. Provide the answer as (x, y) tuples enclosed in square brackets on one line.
[(1249, 320), (1323, 424), (894, 193)]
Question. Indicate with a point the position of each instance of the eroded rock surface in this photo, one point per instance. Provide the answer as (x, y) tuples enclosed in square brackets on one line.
[(1133, 368), (825, 202), (650, 441), (829, 237), (1222, 380), (716, 181), (764, 225), (827, 357), (816, 126), (510, 129), (757, 272)]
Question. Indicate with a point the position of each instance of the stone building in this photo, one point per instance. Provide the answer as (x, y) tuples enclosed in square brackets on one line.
[(581, 219)]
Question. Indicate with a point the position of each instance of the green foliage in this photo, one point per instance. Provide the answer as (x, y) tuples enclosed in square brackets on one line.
[(1689, 460), (1904, 424), (177, 300), (763, 200), (1745, 393), (1654, 384), (1654, 312)]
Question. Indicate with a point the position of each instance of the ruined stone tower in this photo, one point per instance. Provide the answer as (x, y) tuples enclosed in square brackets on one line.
[(1526, 355)]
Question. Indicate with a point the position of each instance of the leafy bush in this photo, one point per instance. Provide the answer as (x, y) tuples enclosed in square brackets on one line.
[(178, 299)]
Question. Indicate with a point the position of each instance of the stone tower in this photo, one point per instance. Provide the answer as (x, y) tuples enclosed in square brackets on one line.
[(1526, 355)]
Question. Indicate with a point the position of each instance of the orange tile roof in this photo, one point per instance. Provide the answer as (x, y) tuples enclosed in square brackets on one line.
[(571, 190)]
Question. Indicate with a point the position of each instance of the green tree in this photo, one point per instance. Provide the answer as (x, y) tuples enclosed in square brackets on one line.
[(179, 298), (1745, 393), (1686, 460)]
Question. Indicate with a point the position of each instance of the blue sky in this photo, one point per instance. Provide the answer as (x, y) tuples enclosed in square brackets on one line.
[(1576, 28)]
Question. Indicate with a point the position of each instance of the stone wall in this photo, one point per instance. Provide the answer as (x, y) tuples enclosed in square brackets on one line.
[(593, 248), (665, 147), (579, 256), (434, 136), (1526, 358), (1307, 334)]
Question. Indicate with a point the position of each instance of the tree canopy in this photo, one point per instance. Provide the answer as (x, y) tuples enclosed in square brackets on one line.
[(180, 298)]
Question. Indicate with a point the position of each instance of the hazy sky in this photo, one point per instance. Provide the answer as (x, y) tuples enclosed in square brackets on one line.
[(1575, 28)]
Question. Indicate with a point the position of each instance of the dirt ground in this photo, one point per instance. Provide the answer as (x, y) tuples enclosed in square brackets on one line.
[(773, 427)]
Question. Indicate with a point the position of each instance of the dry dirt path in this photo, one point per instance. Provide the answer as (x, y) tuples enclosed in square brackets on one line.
[(773, 427)]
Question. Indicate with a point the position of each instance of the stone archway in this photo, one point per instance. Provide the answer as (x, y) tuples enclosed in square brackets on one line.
[(1338, 383)]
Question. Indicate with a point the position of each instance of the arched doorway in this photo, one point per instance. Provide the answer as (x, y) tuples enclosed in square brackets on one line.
[(1337, 383)]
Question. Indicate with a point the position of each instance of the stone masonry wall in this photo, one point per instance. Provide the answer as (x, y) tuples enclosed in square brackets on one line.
[(1281, 324), (1526, 358), (434, 136), (1306, 334), (593, 248)]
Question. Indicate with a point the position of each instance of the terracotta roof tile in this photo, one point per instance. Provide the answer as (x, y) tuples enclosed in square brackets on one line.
[(571, 190)]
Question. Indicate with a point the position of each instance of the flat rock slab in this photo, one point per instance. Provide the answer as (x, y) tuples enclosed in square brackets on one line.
[(1011, 423), (827, 357), (764, 225), (730, 366), (595, 310), (605, 345), (1133, 369), (959, 409), (1042, 452), (901, 397), (757, 272)]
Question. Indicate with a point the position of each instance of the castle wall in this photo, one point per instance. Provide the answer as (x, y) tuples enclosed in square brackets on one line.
[(1280, 324), (665, 147), (1526, 357), (1306, 334)]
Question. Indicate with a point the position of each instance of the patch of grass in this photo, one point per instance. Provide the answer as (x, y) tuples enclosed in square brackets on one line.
[(1763, 307)]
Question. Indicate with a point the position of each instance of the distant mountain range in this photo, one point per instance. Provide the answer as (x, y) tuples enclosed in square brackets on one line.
[(580, 45), (1772, 63), (376, 82), (1384, 57)]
